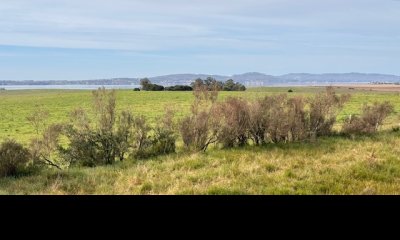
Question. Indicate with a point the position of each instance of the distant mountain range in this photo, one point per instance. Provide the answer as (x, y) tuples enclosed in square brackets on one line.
[(248, 79)]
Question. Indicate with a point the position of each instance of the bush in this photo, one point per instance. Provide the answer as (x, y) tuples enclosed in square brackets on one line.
[(257, 122), (290, 91), (96, 144), (285, 118), (44, 150), (179, 88), (164, 141), (235, 120), (324, 108), (201, 128), (370, 120), (136, 89), (13, 158)]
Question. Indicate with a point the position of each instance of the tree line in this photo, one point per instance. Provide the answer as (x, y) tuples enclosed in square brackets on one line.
[(210, 83), (112, 136)]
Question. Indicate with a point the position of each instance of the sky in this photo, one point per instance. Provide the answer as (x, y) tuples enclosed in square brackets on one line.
[(91, 39)]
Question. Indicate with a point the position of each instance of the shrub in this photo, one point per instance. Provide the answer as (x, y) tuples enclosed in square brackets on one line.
[(235, 120), (324, 108), (164, 141), (141, 137), (13, 158), (136, 89), (371, 118), (257, 122), (148, 86), (44, 150), (93, 144), (201, 127), (290, 91), (179, 88), (285, 118)]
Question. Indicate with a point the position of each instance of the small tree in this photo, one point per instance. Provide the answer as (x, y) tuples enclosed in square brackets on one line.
[(145, 82)]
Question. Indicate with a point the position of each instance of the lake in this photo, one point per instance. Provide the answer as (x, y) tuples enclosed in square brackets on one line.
[(68, 87)]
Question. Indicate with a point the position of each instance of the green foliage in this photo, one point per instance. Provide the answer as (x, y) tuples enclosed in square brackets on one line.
[(38, 118), (179, 88), (13, 158), (44, 150), (148, 86), (98, 144), (211, 85)]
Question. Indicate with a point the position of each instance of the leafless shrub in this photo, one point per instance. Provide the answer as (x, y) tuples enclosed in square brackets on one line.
[(201, 127), (324, 108), (235, 122), (370, 120), (258, 123), (164, 140)]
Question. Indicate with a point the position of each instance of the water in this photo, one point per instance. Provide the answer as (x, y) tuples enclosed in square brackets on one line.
[(93, 87), (68, 87)]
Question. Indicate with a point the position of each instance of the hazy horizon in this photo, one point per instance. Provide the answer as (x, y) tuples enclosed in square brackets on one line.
[(173, 74), (99, 39)]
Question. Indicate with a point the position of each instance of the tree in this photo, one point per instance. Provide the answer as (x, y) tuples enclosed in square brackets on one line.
[(145, 82)]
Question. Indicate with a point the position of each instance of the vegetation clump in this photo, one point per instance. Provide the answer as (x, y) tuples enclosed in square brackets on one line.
[(13, 158)]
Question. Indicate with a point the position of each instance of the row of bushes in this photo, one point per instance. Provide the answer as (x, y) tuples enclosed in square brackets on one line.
[(111, 137)]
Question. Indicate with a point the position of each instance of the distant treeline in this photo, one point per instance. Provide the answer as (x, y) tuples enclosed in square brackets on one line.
[(209, 84)]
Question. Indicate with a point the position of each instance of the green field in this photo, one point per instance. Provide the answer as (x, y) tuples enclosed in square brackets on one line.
[(335, 165)]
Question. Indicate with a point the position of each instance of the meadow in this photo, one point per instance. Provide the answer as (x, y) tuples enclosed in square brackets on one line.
[(332, 165)]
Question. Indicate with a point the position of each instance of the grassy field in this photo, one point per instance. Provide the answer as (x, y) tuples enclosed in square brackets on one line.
[(336, 165)]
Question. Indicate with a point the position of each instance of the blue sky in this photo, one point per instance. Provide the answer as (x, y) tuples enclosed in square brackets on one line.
[(75, 39)]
